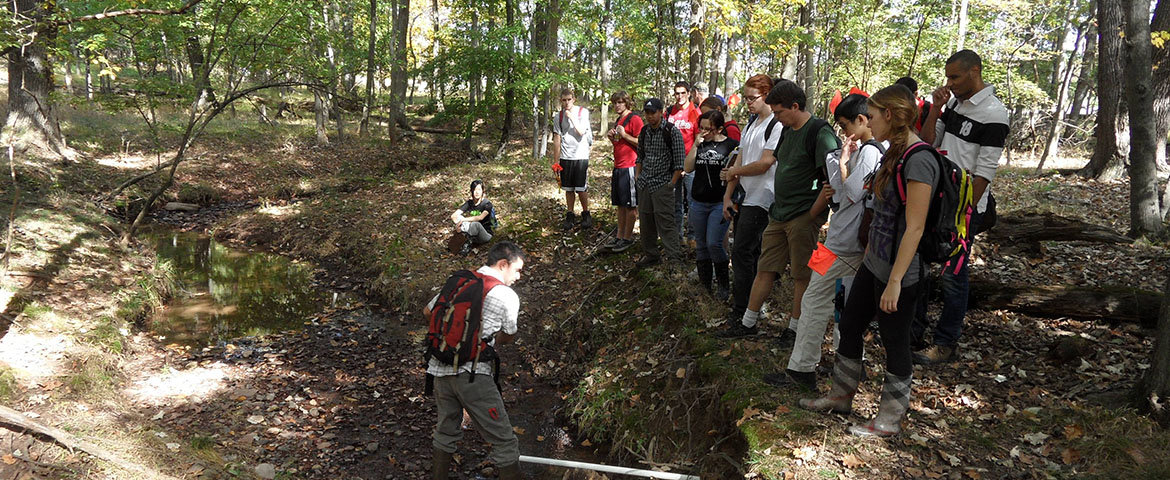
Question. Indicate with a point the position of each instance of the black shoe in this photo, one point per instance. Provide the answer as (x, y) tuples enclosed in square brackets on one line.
[(586, 220), (466, 248), (622, 246), (570, 221), (787, 339), (736, 330), (806, 381)]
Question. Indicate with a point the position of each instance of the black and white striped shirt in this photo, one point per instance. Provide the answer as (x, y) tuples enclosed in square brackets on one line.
[(973, 133)]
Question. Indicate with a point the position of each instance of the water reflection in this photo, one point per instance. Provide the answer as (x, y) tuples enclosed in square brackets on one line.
[(224, 293)]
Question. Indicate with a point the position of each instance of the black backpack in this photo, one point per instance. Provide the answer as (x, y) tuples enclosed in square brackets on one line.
[(946, 235)]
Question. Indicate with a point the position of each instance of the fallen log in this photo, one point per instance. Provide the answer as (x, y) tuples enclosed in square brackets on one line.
[(1113, 303), (16, 421), (446, 131), (1036, 227)]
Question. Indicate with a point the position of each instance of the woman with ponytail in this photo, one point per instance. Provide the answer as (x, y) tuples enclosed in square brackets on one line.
[(886, 284)]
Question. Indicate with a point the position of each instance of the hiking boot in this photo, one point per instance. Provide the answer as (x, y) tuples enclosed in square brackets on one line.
[(736, 329), (892, 409), (806, 381), (647, 262), (787, 339), (570, 221), (704, 273), (622, 245), (586, 220), (936, 354), (442, 465), (847, 374)]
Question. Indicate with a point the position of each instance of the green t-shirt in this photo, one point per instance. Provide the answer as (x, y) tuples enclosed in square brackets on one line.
[(798, 177)]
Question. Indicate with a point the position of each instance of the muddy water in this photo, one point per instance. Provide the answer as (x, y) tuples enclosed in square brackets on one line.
[(224, 293)]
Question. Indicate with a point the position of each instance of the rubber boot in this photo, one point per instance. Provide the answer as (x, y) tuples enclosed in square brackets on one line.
[(895, 401), (722, 282), (847, 374), (442, 465), (510, 472), (704, 267)]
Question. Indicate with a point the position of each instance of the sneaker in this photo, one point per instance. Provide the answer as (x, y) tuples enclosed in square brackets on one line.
[(936, 354), (613, 242), (787, 339), (647, 262), (586, 220), (806, 381), (622, 246), (736, 330), (570, 221), (466, 248)]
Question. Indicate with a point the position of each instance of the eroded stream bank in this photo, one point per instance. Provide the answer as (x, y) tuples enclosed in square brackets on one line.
[(280, 370)]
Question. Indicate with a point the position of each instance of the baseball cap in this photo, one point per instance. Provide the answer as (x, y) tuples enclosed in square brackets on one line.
[(653, 105)]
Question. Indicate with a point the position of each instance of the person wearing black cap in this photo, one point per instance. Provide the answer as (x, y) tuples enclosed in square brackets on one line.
[(660, 165)]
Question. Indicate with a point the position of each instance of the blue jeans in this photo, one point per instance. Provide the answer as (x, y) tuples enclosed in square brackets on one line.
[(682, 192), (956, 287), (709, 226)]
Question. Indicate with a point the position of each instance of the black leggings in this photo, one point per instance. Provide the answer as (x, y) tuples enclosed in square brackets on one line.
[(862, 306)]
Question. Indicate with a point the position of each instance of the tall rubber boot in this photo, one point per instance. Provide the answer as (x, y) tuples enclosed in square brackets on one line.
[(847, 374), (895, 401), (704, 268), (722, 281), (442, 465), (510, 472)]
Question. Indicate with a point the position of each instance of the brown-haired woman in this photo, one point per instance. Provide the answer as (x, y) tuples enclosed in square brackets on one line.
[(887, 283)]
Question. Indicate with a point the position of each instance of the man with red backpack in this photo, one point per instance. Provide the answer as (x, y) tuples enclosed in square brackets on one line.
[(465, 319)]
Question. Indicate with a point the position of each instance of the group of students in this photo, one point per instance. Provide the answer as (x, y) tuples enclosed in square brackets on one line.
[(774, 185)]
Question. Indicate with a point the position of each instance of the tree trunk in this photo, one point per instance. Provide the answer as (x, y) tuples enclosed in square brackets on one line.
[(1113, 303), (962, 25), (1085, 79), (200, 74), (1145, 213), (509, 88), (713, 80), (398, 120), (810, 70), (321, 117), (32, 121), (697, 52), (436, 72), (1112, 129), (364, 130), (1052, 147), (88, 79), (728, 63), (606, 41), (1154, 388)]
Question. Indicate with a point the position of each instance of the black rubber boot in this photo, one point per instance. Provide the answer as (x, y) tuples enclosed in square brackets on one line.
[(510, 472), (704, 267), (722, 282), (442, 465)]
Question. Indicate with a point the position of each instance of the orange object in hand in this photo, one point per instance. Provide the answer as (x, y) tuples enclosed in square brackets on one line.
[(557, 168)]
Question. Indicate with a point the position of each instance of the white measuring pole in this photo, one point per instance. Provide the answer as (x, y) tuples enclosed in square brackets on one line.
[(608, 469)]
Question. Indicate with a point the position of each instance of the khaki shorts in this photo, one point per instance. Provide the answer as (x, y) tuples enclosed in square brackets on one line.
[(793, 241)]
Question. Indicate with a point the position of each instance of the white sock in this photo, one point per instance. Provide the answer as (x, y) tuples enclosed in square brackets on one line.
[(749, 318)]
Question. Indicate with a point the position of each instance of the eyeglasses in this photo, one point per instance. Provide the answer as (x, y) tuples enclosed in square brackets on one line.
[(752, 98)]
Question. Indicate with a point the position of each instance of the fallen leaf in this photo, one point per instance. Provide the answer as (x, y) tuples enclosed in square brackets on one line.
[(518, 430), (781, 410), (1137, 455), (681, 373), (851, 461), (586, 443), (1035, 438), (804, 453), (540, 438), (9, 459), (1073, 432), (972, 474), (1070, 456), (748, 413)]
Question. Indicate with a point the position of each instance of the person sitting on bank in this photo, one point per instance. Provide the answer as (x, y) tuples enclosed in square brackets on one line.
[(474, 221)]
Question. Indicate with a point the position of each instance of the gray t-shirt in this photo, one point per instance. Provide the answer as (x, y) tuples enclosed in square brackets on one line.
[(889, 220), (574, 146)]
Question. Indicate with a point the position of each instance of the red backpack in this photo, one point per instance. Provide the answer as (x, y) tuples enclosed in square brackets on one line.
[(455, 329)]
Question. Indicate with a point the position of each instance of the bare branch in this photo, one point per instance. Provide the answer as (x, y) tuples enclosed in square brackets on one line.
[(130, 12)]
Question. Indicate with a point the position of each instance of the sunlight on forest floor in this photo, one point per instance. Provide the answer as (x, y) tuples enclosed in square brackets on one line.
[(168, 384)]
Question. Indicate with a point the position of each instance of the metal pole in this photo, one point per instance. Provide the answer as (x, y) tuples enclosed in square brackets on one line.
[(608, 469)]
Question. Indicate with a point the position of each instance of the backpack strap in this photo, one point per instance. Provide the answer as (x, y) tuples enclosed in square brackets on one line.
[(770, 127), (900, 178)]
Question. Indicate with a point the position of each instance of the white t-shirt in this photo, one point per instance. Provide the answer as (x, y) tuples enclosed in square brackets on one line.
[(759, 189), (574, 146)]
